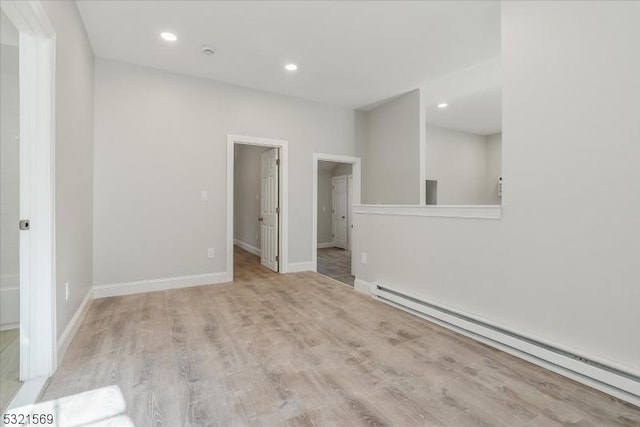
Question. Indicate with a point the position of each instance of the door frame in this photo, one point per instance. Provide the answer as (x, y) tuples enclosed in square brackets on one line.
[(283, 227), (37, 51), (356, 172)]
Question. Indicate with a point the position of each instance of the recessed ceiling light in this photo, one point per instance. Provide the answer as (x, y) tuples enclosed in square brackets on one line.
[(443, 105), (170, 37), (291, 67)]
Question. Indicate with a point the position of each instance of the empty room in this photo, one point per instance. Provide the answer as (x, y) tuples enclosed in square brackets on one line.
[(319, 213)]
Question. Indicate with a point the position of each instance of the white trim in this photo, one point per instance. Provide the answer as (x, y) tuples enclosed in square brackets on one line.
[(25, 398), (74, 324), (283, 145), (362, 286), (37, 187), (9, 326), (247, 247), (604, 380), (141, 286), (298, 267), (356, 172), (10, 307), (325, 245), (438, 211)]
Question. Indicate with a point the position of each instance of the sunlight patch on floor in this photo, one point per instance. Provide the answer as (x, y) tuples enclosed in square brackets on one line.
[(100, 407)]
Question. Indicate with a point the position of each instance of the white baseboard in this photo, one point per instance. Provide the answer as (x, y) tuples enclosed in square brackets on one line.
[(362, 286), (603, 379), (129, 288), (9, 307), (74, 324), (27, 396), (9, 326), (247, 247), (297, 267), (325, 245)]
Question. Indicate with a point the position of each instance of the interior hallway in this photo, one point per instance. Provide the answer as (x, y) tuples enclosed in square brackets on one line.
[(300, 349), (336, 263)]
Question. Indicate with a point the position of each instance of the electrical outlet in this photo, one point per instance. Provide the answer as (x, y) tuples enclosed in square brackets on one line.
[(211, 253), (363, 257), (66, 291), (204, 195)]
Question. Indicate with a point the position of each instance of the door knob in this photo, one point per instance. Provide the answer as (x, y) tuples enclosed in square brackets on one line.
[(343, 216), (260, 219)]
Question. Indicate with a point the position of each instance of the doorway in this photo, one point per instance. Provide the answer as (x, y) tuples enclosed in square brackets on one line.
[(336, 190), (257, 196), (10, 215), (256, 202), (27, 254)]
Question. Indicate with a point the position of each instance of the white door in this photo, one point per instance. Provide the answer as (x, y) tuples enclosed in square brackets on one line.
[(269, 209), (349, 210), (339, 211)]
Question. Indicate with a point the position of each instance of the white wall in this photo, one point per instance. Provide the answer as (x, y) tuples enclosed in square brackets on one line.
[(466, 166), (74, 159), (161, 139), (9, 187), (247, 171), (325, 203), (493, 164), (390, 151), (562, 264), (457, 161)]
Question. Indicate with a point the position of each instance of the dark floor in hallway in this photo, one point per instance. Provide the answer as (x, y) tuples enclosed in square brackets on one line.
[(336, 263)]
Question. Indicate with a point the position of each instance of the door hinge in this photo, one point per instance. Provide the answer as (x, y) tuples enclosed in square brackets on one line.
[(278, 210), (277, 258), (277, 162)]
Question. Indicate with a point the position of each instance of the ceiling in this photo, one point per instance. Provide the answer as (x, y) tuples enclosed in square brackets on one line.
[(324, 165), (473, 97), (349, 54), (477, 113)]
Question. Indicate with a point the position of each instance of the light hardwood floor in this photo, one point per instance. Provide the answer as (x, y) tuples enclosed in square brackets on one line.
[(300, 349), (336, 263), (9, 366)]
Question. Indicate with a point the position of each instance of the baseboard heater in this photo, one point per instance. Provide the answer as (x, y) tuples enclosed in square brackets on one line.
[(613, 380)]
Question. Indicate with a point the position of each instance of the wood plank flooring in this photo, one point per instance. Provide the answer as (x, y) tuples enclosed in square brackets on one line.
[(9, 366), (302, 350), (335, 263)]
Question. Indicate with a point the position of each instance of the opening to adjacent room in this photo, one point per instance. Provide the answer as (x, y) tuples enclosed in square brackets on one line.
[(10, 215), (335, 194), (255, 203), (257, 196)]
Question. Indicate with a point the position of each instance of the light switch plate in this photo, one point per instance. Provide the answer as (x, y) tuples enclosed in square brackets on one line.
[(204, 195)]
